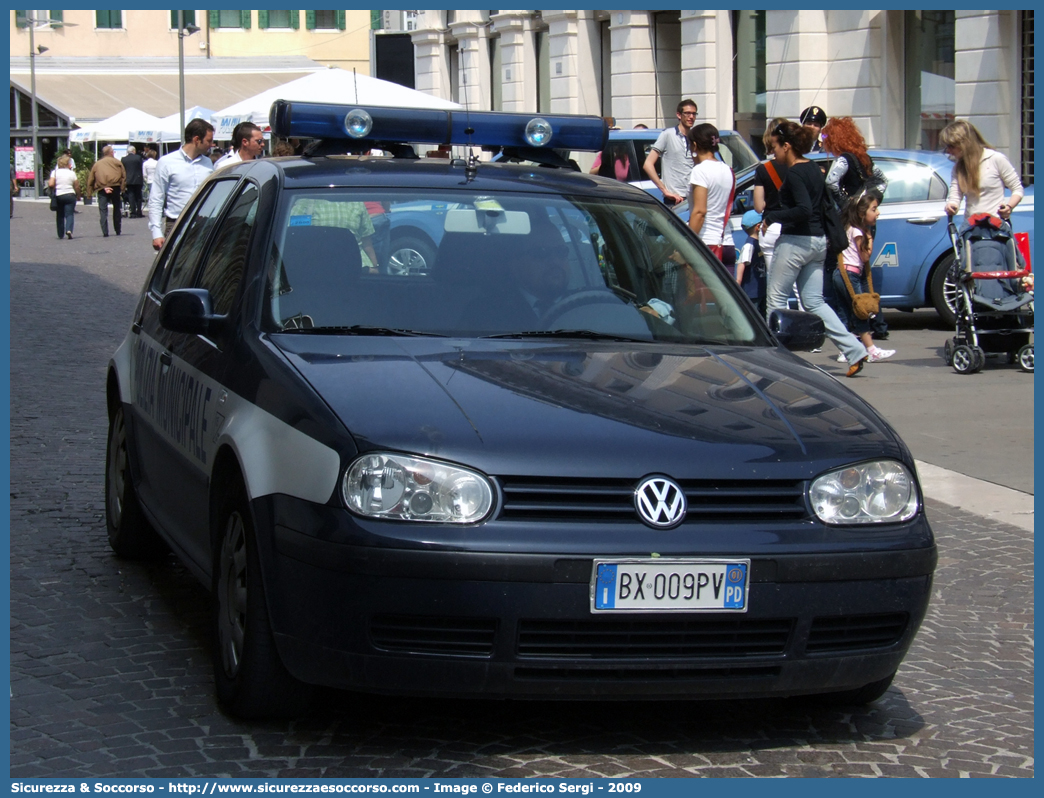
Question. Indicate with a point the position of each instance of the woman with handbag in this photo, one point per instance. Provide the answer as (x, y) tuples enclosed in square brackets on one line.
[(712, 187), (853, 282), (768, 178), (65, 190), (802, 245)]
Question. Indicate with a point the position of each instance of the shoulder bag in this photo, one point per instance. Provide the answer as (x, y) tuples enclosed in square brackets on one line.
[(863, 305)]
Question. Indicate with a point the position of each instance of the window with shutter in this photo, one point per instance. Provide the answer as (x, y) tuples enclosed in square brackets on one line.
[(21, 19), (189, 18), (244, 19), (108, 19), (341, 24)]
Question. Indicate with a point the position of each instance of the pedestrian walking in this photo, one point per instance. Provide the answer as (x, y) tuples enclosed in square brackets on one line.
[(65, 191), (802, 244), (109, 179), (713, 187), (133, 166), (613, 162), (148, 170), (860, 217), (768, 177), (178, 174), (674, 147), (248, 143), (980, 174)]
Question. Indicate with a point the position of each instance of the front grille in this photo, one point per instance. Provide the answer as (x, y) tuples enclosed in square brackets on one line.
[(856, 632), (643, 674), (570, 499), (422, 634), (652, 639)]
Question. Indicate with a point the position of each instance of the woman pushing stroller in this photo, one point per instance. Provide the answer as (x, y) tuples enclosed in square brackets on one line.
[(980, 174)]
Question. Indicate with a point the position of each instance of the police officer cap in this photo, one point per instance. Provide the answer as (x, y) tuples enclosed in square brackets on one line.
[(750, 219), (813, 115)]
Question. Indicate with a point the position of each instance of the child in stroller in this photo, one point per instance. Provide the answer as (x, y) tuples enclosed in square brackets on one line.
[(994, 296)]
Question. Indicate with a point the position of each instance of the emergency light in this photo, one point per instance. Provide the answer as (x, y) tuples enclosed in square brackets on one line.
[(372, 126)]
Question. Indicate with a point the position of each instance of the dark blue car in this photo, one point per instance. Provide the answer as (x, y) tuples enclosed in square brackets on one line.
[(567, 459)]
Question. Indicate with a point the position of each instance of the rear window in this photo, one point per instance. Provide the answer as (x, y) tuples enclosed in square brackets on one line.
[(465, 264)]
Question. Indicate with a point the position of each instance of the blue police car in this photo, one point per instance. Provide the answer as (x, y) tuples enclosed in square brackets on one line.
[(565, 459)]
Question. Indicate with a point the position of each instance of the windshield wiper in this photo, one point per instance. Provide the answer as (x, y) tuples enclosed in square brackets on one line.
[(361, 329), (589, 334)]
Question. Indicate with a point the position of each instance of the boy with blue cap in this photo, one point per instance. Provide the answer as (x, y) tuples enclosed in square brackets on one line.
[(750, 265)]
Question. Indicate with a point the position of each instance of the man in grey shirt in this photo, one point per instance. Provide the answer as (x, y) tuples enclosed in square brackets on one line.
[(177, 175), (674, 147)]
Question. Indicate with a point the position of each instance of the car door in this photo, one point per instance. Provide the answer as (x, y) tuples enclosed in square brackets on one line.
[(911, 231), (169, 389)]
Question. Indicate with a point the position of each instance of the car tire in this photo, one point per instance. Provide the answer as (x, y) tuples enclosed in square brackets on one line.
[(131, 536), (866, 694), (1025, 358), (249, 677), (943, 291), (410, 254)]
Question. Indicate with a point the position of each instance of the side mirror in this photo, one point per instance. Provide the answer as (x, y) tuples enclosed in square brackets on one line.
[(796, 330), (188, 310)]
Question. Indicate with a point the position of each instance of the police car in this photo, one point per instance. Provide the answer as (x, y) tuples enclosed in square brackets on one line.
[(567, 459), (912, 255)]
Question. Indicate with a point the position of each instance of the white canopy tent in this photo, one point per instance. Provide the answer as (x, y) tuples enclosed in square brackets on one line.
[(168, 128), (117, 128), (327, 86)]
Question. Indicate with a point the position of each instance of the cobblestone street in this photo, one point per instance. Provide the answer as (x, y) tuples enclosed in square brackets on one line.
[(110, 670)]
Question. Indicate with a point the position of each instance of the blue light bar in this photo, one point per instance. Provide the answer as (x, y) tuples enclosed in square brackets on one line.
[(375, 125)]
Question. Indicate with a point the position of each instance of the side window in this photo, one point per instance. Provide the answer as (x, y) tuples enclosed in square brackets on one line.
[(223, 270), (908, 181), (182, 262)]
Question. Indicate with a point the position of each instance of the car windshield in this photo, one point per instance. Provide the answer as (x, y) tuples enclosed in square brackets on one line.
[(464, 264)]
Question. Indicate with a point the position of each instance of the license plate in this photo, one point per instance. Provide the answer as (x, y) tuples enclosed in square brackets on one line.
[(661, 585)]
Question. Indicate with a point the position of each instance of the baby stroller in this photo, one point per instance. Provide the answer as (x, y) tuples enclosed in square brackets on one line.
[(994, 302)]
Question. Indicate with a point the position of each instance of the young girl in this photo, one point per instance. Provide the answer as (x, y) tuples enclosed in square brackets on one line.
[(859, 218)]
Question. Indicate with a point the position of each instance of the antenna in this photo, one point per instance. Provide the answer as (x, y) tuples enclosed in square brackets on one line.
[(471, 169), (355, 85), (826, 72)]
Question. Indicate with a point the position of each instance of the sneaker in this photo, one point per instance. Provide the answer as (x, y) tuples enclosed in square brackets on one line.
[(841, 357), (880, 354), (69, 236), (856, 367), (817, 350)]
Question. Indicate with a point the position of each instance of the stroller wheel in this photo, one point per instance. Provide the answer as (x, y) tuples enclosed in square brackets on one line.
[(980, 357), (1026, 358), (965, 360), (948, 351)]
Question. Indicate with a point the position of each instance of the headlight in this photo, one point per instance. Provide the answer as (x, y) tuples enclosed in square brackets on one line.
[(403, 488), (879, 492)]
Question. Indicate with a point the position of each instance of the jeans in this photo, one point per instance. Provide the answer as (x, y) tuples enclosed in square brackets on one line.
[(799, 259), (381, 238), (103, 208), (66, 213)]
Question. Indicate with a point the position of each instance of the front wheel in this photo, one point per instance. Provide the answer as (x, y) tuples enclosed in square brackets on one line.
[(249, 677), (130, 533), (943, 291), (965, 360), (410, 254)]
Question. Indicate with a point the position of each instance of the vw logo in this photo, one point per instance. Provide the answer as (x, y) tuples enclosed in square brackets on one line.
[(660, 502)]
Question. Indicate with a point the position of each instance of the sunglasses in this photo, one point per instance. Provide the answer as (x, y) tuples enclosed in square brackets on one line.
[(780, 133)]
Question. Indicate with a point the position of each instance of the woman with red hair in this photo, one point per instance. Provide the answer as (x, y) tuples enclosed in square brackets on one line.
[(852, 170)]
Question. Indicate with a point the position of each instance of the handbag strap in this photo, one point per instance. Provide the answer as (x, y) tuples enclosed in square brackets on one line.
[(773, 174), (728, 209), (848, 283)]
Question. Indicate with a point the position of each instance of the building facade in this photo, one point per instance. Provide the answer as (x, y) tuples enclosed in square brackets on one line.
[(902, 75)]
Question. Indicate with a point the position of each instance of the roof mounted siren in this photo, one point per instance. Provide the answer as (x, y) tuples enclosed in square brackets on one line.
[(357, 129)]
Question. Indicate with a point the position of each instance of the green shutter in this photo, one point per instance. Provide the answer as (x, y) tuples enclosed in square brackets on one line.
[(173, 20), (244, 19), (116, 18), (21, 19), (341, 25), (262, 20), (56, 16), (295, 20), (375, 20), (309, 20), (214, 17)]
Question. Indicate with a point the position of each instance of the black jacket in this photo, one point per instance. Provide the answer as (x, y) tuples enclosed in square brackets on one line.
[(132, 164)]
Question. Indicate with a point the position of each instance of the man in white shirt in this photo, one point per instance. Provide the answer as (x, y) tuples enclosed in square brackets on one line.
[(673, 145), (248, 143), (178, 174)]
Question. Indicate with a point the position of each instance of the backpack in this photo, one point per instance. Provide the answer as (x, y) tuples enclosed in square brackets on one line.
[(856, 181)]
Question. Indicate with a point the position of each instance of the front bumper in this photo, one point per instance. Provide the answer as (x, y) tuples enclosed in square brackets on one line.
[(431, 621)]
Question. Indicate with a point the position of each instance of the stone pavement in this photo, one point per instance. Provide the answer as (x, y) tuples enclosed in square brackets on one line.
[(110, 672)]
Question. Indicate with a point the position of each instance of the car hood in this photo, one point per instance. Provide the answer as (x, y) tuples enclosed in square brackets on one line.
[(591, 408)]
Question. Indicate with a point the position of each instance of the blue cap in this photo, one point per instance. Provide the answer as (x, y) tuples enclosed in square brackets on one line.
[(750, 219)]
